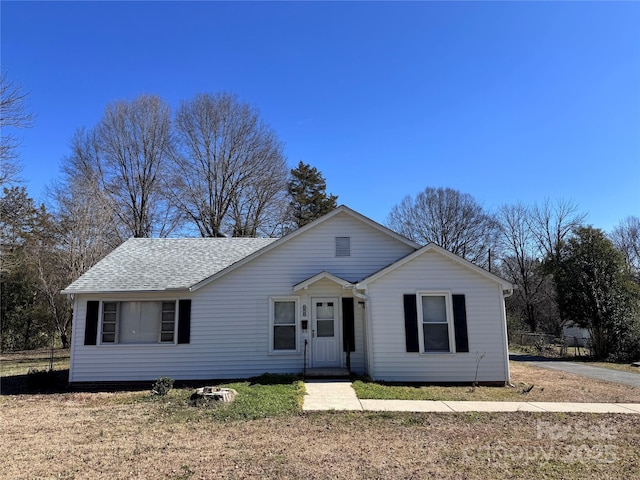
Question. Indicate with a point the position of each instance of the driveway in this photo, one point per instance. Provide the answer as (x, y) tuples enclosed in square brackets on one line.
[(578, 368)]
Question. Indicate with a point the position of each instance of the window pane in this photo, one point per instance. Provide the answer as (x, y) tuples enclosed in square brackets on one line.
[(109, 327), (168, 326), (325, 328), (166, 337), (284, 313), (284, 338), (436, 337), (108, 337), (139, 322), (434, 309), (110, 306)]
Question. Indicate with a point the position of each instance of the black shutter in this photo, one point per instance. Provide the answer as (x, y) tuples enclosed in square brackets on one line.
[(348, 326), (184, 321), (460, 323), (411, 323), (91, 324)]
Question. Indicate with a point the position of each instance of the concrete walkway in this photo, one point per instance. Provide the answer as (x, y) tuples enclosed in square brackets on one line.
[(578, 368), (340, 395)]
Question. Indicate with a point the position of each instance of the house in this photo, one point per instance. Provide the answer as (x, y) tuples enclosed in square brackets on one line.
[(342, 291), (575, 336)]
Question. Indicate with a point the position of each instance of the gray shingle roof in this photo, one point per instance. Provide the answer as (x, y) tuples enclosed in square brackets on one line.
[(152, 264)]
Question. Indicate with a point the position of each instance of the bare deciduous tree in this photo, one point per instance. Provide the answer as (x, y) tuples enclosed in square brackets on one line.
[(521, 264), (626, 238), (14, 113), (229, 168), (552, 223), (448, 218), (134, 142), (124, 159)]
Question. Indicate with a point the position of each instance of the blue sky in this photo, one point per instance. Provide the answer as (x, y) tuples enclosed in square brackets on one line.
[(506, 101)]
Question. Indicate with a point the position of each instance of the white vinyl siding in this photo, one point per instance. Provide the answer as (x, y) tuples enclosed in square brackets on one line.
[(230, 323)]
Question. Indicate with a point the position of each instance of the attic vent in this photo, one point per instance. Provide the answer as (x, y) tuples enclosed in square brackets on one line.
[(343, 246)]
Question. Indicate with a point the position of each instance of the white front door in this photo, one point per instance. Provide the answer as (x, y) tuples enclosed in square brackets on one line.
[(325, 332)]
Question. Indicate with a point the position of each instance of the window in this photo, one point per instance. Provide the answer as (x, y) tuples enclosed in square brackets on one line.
[(284, 321), (343, 246), (435, 320), (109, 321), (138, 322)]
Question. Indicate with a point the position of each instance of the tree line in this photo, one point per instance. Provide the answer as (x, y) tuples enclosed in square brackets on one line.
[(566, 272), (215, 168)]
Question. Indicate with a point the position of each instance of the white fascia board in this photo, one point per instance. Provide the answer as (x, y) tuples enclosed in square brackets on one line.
[(320, 276)]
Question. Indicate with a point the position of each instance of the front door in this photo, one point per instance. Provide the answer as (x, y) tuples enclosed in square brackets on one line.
[(325, 332)]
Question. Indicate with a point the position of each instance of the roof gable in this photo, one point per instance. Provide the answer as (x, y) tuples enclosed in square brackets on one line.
[(342, 209), (432, 247), (322, 276)]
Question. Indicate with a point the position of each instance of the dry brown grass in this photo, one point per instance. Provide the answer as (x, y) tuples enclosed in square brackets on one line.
[(557, 386), (106, 436)]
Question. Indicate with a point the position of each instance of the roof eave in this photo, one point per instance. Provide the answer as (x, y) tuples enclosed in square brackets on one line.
[(121, 292)]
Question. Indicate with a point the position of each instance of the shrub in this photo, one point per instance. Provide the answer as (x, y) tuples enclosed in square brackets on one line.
[(162, 386), (41, 379)]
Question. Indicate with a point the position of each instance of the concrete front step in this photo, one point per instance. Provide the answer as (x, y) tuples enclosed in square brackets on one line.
[(333, 372)]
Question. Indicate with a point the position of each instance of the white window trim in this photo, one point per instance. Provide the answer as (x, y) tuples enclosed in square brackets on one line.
[(272, 301), (117, 335), (449, 313)]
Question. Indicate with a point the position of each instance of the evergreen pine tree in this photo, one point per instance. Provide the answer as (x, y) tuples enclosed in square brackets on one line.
[(308, 190)]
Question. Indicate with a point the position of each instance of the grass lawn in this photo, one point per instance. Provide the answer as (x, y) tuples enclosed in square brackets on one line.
[(548, 386), (19, 363), (264, 435)]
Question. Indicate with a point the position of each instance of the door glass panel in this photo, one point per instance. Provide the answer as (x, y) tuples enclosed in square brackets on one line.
[(324, 311), (325, 328)]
